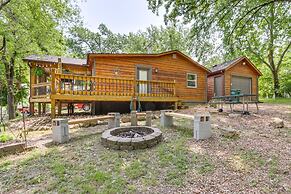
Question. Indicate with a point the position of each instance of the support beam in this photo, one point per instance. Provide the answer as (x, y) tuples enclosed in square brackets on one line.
[(60, 65), (59, 108), (39, 109), (176, 106), (43, 108), (93, 108), (31, 108), (53, 108)]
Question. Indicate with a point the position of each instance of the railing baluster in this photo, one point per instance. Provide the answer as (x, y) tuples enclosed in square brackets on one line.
[(98, 86)]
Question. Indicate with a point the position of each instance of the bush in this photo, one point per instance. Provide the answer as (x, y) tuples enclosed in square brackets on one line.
[(4, 137)]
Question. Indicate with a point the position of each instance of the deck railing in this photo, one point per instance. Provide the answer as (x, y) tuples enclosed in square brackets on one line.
[(40, 90), (95, 85)]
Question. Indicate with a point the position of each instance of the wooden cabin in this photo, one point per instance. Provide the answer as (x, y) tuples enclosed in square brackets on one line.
[(128, 79), (238, 74)]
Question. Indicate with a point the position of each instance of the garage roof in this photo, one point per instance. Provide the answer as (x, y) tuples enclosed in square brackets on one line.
[(228, 64)]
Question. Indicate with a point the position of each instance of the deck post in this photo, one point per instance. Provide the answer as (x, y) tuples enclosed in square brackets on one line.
[(53, 83), (134, 94), (39, 109), (59, 108), (174, 88), (93, 108), (32, 90), (60, 66), (53, 108), (176, 105), (31, 108), (43, 108)]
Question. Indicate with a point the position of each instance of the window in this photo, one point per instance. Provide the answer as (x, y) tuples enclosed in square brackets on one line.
[(191, 80)]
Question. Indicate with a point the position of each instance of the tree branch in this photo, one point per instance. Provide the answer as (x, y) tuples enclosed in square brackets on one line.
[(282, 56), (257, 55), (3, 44), (3, 3), (256, 9)]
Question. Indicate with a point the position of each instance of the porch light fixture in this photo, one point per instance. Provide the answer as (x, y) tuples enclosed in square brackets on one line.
[(116, 71), (244, 63), (156, 70)]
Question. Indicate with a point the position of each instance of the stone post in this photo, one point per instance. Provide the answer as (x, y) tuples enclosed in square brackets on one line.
[(166, 121), (133, 118), (115, 122), (202, 126), (149, 118)]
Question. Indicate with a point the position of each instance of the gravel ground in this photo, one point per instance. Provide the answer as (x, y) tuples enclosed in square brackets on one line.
[(258, 161)]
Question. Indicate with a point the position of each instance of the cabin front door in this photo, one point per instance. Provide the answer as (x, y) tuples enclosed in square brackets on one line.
[(143, 75)]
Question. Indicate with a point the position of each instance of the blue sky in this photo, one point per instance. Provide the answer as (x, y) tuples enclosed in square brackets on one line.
[(120, 16)]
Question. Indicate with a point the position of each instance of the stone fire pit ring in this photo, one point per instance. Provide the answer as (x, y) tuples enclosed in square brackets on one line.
[(131, 137)]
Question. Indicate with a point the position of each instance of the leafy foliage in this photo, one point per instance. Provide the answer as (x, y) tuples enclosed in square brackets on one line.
[(4, 137), (28, 27), (154, 40), (257, 29)]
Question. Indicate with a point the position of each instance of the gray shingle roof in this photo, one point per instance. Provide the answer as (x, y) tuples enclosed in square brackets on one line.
[(224, 65), (54, 59)]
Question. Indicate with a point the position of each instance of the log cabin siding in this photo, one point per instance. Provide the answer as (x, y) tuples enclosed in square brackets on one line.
[(243, 71), (168, 68)]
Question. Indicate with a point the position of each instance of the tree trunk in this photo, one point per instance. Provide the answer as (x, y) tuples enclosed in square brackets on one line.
[(10, 93), (276, 83), (9, 68)]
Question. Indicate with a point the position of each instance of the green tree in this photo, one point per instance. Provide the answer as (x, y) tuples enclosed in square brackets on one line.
[(154, 40), (258, 29), (30, 27), (3, 3)]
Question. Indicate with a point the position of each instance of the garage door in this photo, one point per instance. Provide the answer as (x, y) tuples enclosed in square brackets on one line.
[(242, 83)]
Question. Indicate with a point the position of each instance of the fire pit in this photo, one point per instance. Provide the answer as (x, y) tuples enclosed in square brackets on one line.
[(131, 137)]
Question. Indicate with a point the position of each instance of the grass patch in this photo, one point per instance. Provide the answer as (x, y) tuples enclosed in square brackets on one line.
[(203, 164), (116, 184), (100, 176), (277, 100), (174, 157), (252, 158), (4, 137), (33, 155), (135, 169), (273, 169), (59, 169), (5, 166)]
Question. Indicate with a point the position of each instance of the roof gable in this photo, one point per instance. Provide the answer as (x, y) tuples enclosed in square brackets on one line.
[(228, 64)]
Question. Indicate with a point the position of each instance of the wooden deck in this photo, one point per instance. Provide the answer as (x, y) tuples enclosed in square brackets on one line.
[(78, 88)]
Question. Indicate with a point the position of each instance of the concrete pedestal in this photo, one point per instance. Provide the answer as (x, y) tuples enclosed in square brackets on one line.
[(133, 118), (115, 122), (60, 130), (166, 121)]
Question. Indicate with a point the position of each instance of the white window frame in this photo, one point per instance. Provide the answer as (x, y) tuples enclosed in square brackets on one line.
[(195, 80)]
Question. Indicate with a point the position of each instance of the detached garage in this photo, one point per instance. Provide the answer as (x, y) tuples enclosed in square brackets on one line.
[(238, 74)]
